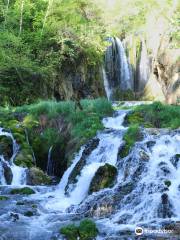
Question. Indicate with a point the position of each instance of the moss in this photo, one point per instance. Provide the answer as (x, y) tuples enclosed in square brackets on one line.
[(24, 157), (167, 183), (87, 230), (3, 198), (70, 231), (36, 176), (29, 214), (22, 191), (127, 95), (132, 135), (104, 178)]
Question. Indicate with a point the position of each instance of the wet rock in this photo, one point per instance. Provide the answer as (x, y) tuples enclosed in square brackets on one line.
[(29, 214), (104, 178), (14, 216), (143, 156), (150, 144), (174, 227), (90, 146), (165, 209), (6, 147), (7, 173), (36, 176), (175, 160)]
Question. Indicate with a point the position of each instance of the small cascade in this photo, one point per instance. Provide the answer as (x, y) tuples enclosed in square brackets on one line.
[(16, 174), (107, 150), (50, 169), (117, 75)]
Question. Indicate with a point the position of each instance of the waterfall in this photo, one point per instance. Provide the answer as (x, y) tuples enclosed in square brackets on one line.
[(125, 77), (106, 85), (117, 75), (18, 173), (143, 68), (50, 169), (106, 152)]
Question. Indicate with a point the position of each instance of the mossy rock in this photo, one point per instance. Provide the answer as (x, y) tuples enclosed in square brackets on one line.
[(104, 178), (24, 158), (6, 147), (3, 198), (36, 176), (70, 231), (132, 135), (29, 214), (87, 230), (22, 191)]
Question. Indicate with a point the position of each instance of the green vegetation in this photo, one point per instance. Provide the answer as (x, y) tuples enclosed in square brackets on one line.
[(3, 198), (39, 39), (104, 177), (132, 135), (85, 231), (29, 214), (156, 115), (22, 191)]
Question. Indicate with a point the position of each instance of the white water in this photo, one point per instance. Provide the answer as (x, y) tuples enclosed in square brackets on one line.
[(19, 173), (49, 163), (106, 85), (144, 204), (125, 73), (106, 152)]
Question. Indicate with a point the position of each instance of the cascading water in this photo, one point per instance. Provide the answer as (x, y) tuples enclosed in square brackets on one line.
[(18, 173), (117, 75), (50, 163), (146, 192), (126, 82)]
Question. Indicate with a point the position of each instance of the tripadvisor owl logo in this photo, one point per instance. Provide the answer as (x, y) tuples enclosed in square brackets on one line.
[(139, 231)]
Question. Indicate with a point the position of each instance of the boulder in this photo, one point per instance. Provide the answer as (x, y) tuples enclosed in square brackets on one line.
[(7, 173), (104, 178), (24, 158), (175, 160), (35, 176)]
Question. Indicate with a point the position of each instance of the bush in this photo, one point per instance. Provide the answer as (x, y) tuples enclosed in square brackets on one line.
[(70, 231)]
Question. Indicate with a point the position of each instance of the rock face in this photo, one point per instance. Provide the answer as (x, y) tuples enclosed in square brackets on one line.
[(36, 176), (90, 146), (6, 147), (79, 81), (104, 178), (7, 173)]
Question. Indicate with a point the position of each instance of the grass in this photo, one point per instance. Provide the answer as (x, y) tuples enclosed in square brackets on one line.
[(156, 115), (131, 136)]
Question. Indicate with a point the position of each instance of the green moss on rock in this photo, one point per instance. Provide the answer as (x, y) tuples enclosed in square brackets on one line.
[(132, 135), (87, 230), (3, 198), (22, 191), (36, 176), (104, 178)]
